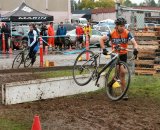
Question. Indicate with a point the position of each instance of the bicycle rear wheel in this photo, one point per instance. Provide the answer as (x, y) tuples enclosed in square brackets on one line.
[(117, 80), (18, 60), (27, 61), (84, 68)]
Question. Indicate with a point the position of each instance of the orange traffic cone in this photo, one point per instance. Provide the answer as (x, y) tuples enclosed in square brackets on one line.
[(36, 124)]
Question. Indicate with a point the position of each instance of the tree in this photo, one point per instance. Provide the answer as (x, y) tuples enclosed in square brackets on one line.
[(150, 3), (134, 4), (127, 3), (153, 3), (85, 4), (104, 3)]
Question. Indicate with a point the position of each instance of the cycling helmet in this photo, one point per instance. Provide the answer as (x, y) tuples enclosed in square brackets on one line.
[(120, 21)]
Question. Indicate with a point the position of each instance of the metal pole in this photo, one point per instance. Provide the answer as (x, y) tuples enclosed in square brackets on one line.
[(132, 20), (69, 11), (117, 7), (46, 4)]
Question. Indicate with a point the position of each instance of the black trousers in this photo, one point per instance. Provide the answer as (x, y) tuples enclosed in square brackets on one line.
[(61, 41), (32, 54)]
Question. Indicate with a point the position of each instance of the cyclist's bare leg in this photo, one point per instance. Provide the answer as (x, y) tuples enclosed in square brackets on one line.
[(122, 77)]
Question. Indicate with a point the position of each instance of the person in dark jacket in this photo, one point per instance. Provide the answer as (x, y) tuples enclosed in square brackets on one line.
[(44, 35), (33, 42), (61, 33)]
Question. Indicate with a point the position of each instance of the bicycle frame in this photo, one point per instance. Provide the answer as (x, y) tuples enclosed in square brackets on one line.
[(105, 67)]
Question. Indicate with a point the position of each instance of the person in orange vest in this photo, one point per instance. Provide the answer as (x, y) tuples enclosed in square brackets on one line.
[(51, 35), (79, 33)]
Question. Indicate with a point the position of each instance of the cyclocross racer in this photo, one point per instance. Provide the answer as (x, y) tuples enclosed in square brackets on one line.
[(120, 36), (33, 42)]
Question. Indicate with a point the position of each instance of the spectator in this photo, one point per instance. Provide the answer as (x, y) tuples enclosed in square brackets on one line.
[(43, 33), (61, 32), (5, 29), (51, 35), (88, 30), (79, 33)]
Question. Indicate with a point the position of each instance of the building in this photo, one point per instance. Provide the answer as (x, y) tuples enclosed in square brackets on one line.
[(92, 0), (141, 15), (60, 9)]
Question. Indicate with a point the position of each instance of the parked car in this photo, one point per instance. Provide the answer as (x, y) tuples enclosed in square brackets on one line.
[(104, 30), (83, 21), (19, 36), (71, 37), (108, 22)]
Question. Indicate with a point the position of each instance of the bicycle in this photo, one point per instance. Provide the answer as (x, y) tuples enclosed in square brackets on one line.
[(88, 70), (22, 58)]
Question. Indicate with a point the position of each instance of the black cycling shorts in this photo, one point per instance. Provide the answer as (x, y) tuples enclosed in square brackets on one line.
[(123, 57)]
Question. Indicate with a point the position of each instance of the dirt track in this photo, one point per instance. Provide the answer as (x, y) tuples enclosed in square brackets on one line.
[(89, 112), (84, 112)]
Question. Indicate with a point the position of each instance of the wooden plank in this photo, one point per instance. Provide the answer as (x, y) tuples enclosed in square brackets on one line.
[(148, 47), (143, 62), (145, 71), (157, 66), (148, 67), (147, 51), (137, 38), (148, 34), (146, 55), (153, 43)]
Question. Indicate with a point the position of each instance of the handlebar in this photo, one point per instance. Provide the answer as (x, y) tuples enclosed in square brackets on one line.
[(118, 48)]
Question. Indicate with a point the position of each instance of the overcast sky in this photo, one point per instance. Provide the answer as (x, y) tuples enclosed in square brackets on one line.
[(139, 1), (136, 1)]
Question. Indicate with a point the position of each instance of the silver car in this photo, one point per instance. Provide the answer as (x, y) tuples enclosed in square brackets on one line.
[(95, 37)]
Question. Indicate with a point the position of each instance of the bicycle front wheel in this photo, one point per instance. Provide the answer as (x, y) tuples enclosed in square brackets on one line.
[(18, 60), (84, 68), (117, 80)]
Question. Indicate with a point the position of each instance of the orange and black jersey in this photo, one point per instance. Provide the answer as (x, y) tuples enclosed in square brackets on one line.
[(121, 39)]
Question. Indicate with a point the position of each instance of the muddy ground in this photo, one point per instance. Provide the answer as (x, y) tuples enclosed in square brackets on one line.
[(92, 111)]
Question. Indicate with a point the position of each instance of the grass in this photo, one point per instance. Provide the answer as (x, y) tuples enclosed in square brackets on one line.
[(55, 74), (59, 73), (145, 86), (6, 124)]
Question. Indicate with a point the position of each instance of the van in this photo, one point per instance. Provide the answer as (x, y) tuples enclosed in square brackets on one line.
[(83, 21)]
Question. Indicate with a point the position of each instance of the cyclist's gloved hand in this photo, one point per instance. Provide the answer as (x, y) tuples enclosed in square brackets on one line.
[(135, 52), (105, 51)]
